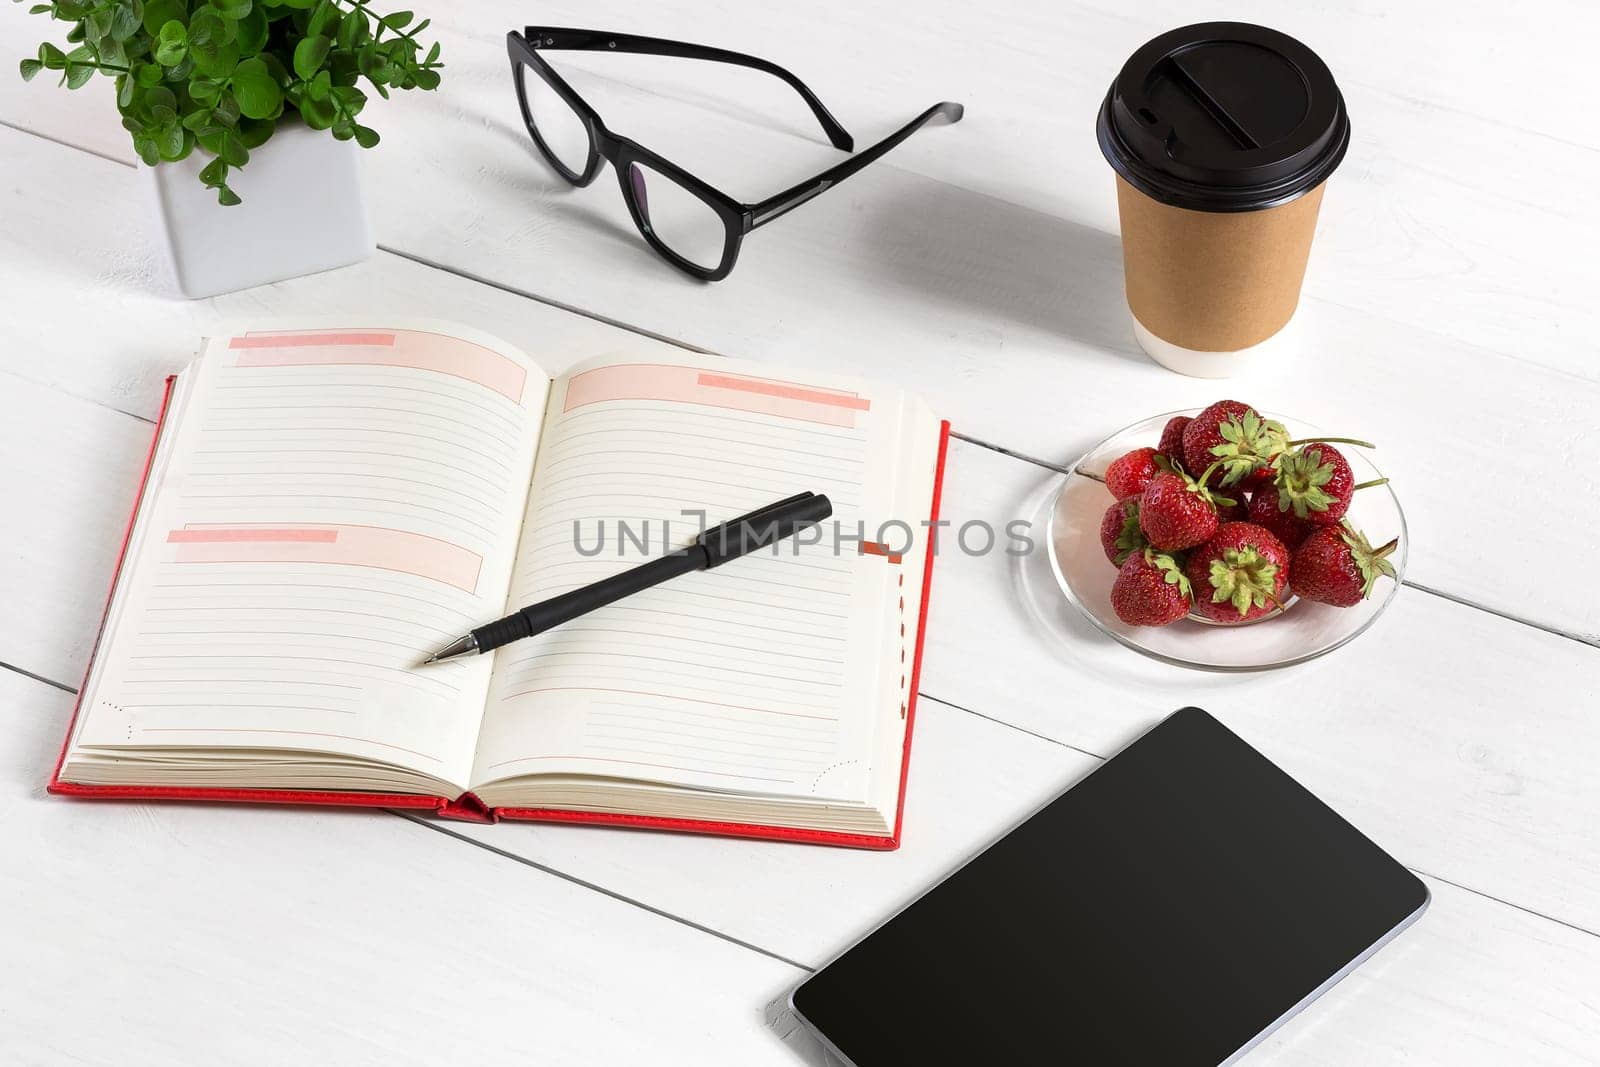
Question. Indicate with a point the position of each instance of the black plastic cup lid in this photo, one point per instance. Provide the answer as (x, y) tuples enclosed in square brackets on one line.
[(1224, 116)]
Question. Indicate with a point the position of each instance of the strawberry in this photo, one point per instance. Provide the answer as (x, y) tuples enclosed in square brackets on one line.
[(1176, 511), (1150, 590), (1128, 475), (1233, 510), (1238, 574), (1337, 565), (1234, 434), (1284, 524), (1315, 481), (1171, 444), (1120, 535)]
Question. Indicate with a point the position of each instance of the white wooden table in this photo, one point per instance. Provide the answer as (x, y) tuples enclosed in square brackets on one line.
[(1450, 314)]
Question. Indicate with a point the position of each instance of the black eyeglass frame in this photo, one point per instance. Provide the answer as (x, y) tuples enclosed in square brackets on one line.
[(622, 153)]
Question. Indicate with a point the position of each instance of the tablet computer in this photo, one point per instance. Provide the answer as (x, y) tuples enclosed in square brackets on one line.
[(1172, 908)]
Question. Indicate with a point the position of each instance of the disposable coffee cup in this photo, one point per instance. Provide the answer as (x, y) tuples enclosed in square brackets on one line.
[(1222, 136)]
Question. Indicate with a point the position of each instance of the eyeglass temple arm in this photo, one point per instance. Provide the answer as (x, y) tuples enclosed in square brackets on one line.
[(791, 198), (543, 37)]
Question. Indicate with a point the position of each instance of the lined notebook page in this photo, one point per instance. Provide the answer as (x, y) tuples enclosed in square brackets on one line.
[(766, 675), (332, 506)]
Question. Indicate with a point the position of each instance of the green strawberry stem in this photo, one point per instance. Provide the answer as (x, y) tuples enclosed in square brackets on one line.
[(1369, 485), (1331, 441), (1226, 502)]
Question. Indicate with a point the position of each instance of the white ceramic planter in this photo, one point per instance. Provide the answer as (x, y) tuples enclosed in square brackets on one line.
[(303, 212)]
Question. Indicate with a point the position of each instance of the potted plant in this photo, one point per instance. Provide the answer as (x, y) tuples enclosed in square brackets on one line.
[(253, 105)]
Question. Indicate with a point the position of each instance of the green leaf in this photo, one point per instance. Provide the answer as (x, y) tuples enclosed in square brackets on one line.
[(39, 9), (253, 133), (126, 88), (308, 56), (221, 64), (196, 121), (80, 67), (280, 73), (160, 96), (427, 79), (98, 24), (226, 111), (353, 31), (233, 151), (124, 22), (205, 90), (349, 100), (257, 91), (157, 13), (145, 146), (228, 198), (323, 19), (214, 174), (232, 9), (207, 32), (51, 57), (366, 136), (148, 75), (172, 44), (170, 142), (320, 87), (319, 114), (111, 51), (433, 53), (31, 69), (253, 32), (398, 20)]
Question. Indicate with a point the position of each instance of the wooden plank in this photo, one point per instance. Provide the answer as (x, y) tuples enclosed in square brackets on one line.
[(1405, 736), (1392, 240), (966, 295), (536, 966), (155, 934)]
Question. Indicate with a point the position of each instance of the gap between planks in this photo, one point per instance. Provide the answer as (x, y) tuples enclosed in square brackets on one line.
[(439, 827)]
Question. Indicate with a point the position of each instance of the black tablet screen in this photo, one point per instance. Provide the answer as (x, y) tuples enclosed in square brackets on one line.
[(1166, 910)]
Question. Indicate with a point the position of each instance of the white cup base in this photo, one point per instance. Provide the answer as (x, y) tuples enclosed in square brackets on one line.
[(1199, 364)]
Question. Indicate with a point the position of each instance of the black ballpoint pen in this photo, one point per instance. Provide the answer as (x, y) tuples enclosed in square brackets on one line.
[(712, 548)]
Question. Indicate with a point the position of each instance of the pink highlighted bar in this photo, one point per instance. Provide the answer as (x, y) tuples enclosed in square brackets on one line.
[(689, 385), (312, 340), (412, 349), (786, 391), (230, 536), (342, 545)]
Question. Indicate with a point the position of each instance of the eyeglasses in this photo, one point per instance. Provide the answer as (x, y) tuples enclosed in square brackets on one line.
[(695, 227)]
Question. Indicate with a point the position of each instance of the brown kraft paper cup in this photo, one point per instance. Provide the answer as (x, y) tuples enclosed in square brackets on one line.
[(1210, 281), (1222, 136)]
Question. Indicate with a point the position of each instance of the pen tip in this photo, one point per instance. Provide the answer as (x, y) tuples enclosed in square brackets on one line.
[(461, 646)]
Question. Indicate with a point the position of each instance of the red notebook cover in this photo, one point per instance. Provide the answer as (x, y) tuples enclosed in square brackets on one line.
[(467, 807)]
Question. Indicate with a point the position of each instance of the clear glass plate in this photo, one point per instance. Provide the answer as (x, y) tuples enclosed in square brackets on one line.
[(1303, 630)]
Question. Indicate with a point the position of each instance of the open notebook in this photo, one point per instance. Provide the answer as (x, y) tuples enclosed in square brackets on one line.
[(324, 508)]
